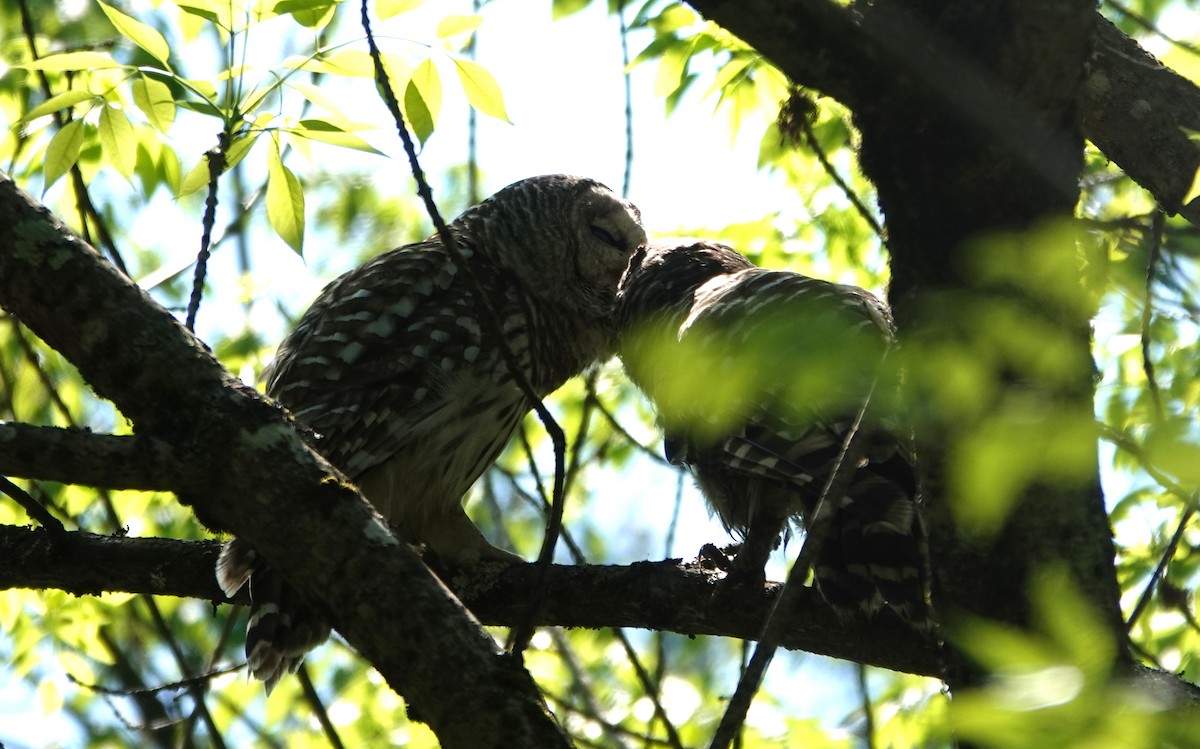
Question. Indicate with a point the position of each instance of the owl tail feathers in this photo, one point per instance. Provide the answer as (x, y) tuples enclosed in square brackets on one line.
[(876, 555), (281, 629), (235, 565)]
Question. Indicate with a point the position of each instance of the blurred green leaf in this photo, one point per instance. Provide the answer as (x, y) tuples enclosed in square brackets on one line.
[(118, 140), (155, 100), (454, 25), (144, 36), (309, 13), (562, 8), (63, 151), (389, 8), (73, 61), (61, 101)]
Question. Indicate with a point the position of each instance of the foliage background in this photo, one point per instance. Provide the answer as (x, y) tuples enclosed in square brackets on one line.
[(708, 159)]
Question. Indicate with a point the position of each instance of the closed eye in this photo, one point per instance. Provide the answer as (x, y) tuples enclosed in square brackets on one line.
[(604, 236)]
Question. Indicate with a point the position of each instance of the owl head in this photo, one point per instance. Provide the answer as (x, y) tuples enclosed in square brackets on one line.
[(663, 278), (566, 239)]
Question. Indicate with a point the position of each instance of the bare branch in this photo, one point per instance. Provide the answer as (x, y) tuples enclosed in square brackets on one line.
[(666, 595), (77, 456)]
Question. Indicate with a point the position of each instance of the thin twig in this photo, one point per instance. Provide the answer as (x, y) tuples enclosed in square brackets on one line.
[(168, 687), (36, 509), (827, 165), (217, 162), (590, 715), (489, 322), (819, 527), (1160, 569), (624, 434), (627, 175), (1188, 497), (868, 713), (1150, 26), (195, 688), (318, 707), (1156, 233), (649, 686), (582, 685)]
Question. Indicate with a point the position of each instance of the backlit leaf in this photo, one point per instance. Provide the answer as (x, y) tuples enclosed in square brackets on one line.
[(55, 103), (285, 201), (481, 89), (63, 151), (73, 61), (139, 33), (155, 100), (118, 140)]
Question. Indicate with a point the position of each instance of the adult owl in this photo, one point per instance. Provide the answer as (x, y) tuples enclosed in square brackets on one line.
[(757, 376), (408, 394)]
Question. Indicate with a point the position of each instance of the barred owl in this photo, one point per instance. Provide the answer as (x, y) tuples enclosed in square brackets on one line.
[(408, 395), (757, 376)]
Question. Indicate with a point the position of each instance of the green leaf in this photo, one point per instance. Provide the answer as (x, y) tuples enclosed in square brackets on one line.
[(564, 8), (317, 96), (481, 89), (309, 13), (60, 101), (156, 102), (327, 132), (219, 12), (423, 99), (285, 201), (139, 33), (1194, 190), (347, 62), (389, 8), (63, 151), (239, 148), (118, 140), (671, 69), (454, 25), (673, 18), (73, 61), (419, 118), (196, 178)]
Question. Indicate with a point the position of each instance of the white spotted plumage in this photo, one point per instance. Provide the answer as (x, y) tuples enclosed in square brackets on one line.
[(408, 394)]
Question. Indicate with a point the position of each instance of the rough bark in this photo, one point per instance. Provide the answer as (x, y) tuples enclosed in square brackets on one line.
[(666, 596), (972, 117), (955, 168), (242, 460)]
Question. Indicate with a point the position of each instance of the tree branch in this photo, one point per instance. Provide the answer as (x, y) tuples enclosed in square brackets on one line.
[(243, 462), (666, 596), (1133, 108), (77, 456)]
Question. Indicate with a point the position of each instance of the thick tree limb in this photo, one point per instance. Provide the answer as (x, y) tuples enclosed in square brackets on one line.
[(77, 456), (666, 596), (243, 461), (1133, 108)]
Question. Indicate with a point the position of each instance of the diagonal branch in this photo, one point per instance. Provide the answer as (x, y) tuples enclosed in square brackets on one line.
[(243, 460)]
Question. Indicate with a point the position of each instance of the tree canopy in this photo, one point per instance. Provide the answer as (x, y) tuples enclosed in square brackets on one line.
[(1018, 177)]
